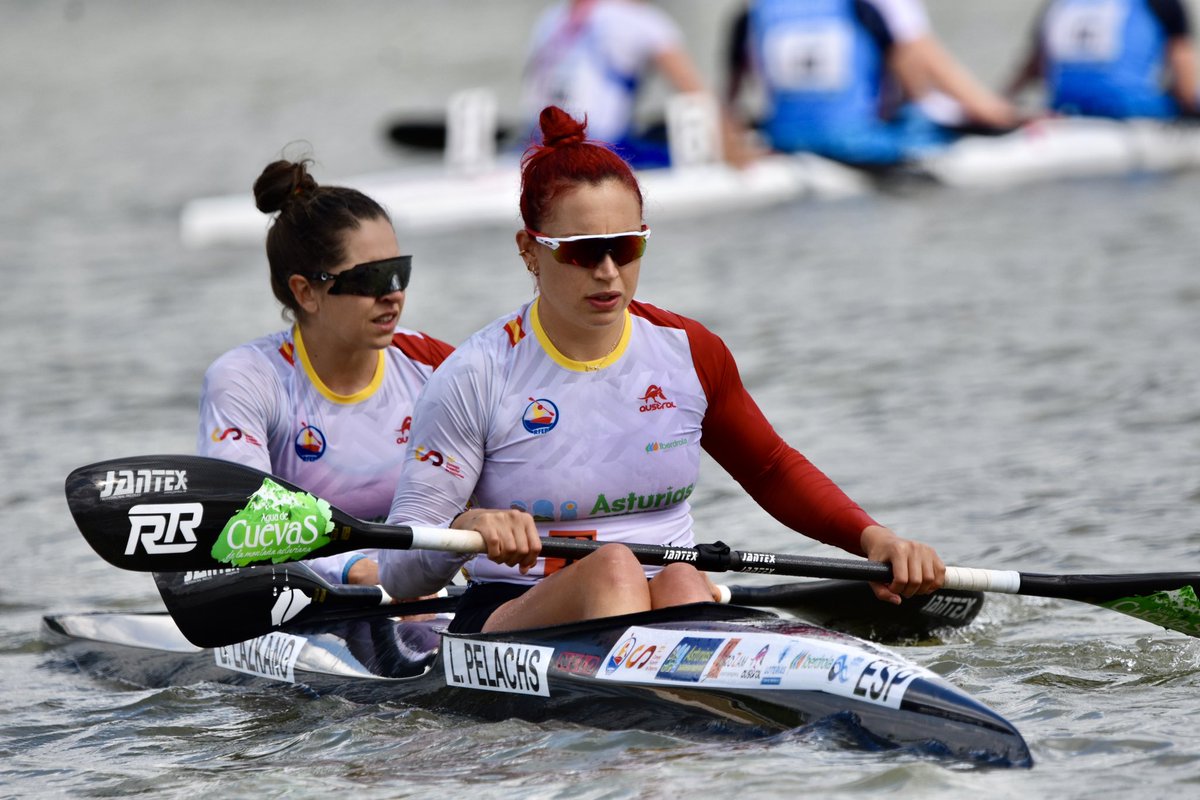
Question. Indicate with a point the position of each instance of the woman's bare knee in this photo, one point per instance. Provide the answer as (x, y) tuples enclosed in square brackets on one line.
[(607, 582), (613, 557), (678, 584), (613, 566)]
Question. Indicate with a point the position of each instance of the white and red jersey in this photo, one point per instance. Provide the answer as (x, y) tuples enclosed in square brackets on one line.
[(609, 452), (262, 404)]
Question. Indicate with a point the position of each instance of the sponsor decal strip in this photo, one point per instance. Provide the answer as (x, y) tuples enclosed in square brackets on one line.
[(759, 661)]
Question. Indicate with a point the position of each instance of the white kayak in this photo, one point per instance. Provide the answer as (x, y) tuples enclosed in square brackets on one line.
[(474, 188), (1067, 147), (433, 197)]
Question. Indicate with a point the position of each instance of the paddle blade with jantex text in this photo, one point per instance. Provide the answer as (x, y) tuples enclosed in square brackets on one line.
[(178, 512)]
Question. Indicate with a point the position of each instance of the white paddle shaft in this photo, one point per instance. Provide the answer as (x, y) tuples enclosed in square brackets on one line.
[(983, 580), (448, 540)]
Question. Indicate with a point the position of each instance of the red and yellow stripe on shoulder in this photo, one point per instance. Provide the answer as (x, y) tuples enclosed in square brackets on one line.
[(515, 330), (421, 348), (288, 351)]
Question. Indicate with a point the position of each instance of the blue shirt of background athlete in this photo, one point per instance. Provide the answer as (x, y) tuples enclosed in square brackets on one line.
[(843, 121), (1126, 82)]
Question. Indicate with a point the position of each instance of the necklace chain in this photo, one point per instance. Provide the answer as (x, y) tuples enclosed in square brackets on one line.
[(602, 361)]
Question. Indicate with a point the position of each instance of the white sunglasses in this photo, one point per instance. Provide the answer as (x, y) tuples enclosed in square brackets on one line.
[(588, 250)]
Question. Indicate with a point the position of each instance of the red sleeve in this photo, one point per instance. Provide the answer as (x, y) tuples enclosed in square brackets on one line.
[(780, 479), (423, 349)]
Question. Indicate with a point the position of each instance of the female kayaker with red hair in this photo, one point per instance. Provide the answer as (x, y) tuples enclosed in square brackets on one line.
[(583, 414)]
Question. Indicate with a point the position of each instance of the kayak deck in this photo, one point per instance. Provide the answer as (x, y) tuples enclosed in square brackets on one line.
[(703, 670)]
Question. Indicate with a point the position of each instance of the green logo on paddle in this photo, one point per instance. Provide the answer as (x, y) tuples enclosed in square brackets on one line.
[(1178, 610), (276, 524)]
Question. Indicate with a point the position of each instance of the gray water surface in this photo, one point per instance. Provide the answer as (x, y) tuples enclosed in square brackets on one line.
[(1011, 376)]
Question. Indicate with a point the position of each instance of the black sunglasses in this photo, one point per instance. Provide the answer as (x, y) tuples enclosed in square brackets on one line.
[(371, 279)]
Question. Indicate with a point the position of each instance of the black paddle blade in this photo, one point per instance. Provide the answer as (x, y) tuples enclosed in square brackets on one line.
[(223, 607), (852, 607), (429, 134), (418, 134), (220, 607), (178, 513)]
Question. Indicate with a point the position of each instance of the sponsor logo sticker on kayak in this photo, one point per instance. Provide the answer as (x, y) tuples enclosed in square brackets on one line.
[(497, 666), (577, 663), (631, 655), (272, 656), (277, 524), (687, 660)]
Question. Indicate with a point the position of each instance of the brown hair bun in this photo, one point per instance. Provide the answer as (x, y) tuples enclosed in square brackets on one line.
[(280, 183)]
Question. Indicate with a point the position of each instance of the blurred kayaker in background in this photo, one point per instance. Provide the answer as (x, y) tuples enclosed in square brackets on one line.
[(862, 81), (592, 56), (1113, 58)]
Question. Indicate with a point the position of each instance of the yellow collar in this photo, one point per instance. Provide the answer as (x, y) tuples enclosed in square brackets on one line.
[(326, 392), (556, 355)]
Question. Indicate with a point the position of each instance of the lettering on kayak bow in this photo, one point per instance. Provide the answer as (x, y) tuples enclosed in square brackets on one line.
[(272, 656), (879, 678)]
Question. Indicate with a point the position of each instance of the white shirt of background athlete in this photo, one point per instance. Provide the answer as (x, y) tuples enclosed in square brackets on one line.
[(574, 61)]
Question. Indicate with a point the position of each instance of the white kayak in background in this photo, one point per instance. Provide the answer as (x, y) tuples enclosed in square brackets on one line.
[(1057, 148), (433, 198), (474, 187)]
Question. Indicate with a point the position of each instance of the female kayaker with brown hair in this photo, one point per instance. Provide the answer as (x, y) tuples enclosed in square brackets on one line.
[(326, 403)]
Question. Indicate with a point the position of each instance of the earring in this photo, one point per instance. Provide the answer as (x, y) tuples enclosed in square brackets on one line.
[(524, 254)]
